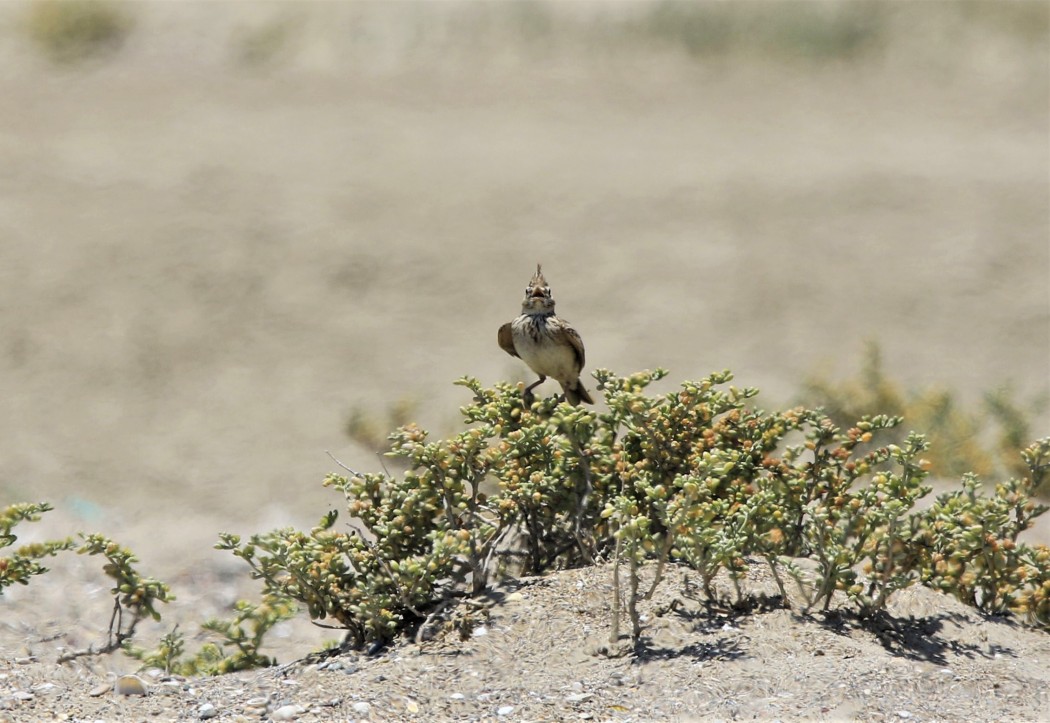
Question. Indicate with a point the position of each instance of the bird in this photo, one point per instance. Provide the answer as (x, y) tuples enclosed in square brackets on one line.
[(546, 342)]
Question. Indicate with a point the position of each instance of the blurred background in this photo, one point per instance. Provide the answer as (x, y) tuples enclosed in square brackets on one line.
[(237, 235)]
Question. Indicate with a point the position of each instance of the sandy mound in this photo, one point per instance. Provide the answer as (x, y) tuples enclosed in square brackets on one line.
[(532, 652)]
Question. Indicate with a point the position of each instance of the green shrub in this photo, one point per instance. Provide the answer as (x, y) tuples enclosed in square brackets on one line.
[(971, 549), (240, 641), (24, 563), (986, 440), (697, 476), (136, 598)]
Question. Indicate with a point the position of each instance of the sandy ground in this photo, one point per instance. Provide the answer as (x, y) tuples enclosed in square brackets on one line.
[(532, 652), (205, 265)]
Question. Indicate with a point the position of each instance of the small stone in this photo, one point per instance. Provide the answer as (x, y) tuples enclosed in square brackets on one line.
[(26, 660), (22, 695), (457, 696), (480, 631), (505, 710), (98, 690), (288, 712), (361, 708), (168, 687), (903, 714), (411, 706), (206, 711), (129, 685), (260, 703), (514, 597), (45, 688), (578, 697)]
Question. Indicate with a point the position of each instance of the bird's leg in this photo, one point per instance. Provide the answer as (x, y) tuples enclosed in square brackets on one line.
[(527, 395)]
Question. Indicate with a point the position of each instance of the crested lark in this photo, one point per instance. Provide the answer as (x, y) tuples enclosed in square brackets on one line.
[(549, 345)]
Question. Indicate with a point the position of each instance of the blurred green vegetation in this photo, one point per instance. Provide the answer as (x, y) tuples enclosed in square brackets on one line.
[(808, 30), (268, 43), (986, 439), (800, 29), (77, 30), (372, 431)]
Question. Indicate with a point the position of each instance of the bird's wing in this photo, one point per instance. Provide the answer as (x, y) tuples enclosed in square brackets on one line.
[(577, 344), (506, 339)]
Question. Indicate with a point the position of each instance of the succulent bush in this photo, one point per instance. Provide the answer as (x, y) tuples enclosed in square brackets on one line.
[(240, 641), (697, 476), (24, 563), (136, 597), (971, 549)]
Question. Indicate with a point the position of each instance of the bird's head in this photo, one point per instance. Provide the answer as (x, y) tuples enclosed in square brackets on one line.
[(538, 298)]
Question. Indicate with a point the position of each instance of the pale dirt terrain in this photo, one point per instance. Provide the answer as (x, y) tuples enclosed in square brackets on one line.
[(533, 654), (205, 265)]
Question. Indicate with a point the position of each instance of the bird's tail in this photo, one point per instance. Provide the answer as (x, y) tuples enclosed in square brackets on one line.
[(575, 393)]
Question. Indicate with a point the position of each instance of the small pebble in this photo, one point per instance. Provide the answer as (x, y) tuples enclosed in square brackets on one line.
[(361, 708), (457, 696), (287, 712), (25, 661), (168, 687), (100, 690), (514, 597), (505, 710), (903, 714), (206, 711), (129, 685), (22, 695), (411, 706), (480, 631)]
